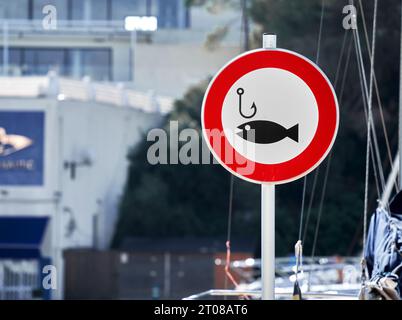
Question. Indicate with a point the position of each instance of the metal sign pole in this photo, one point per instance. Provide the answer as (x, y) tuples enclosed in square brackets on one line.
[(268, 220), (268, 241)]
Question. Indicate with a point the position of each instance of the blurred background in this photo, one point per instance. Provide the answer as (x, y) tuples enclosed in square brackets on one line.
[(80, 88)]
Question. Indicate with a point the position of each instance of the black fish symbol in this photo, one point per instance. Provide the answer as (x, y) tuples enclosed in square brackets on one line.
[(264, 132)]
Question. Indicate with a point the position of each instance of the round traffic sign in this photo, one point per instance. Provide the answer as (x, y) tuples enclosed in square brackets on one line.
[(270, 116)]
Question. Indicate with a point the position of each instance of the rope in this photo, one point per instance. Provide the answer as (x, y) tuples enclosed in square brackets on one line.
[(302, 207), (310, 204), (370, 124), (317, 59), (299, 243), (244, 28), (320, 32), (363, 86), (297, 295), (228, 273), (321, 204), (342, 90), (229, 232), (324, 187), (380, 107), (366, 97), (370, 115)]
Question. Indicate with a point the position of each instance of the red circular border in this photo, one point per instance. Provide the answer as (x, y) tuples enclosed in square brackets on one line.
[(328, 116)]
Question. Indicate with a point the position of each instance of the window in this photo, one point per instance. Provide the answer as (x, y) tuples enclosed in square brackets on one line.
[(75, 63), (124, 8), (41, 61), (77, 10), (89, 9), (14, 62), (61, 6), (15, 9), (172, 14), (96, 63)]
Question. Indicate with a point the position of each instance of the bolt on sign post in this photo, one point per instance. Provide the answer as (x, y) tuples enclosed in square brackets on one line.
[(270, 116)]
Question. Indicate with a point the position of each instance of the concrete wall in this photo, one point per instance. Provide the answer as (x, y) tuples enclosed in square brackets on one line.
[(104, 135), (171, 70), (83, 210)]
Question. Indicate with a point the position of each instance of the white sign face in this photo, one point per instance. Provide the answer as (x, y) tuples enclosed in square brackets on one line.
[(271, 111), (279, 107)]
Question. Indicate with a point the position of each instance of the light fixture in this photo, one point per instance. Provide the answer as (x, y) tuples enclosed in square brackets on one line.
[(141, 23)]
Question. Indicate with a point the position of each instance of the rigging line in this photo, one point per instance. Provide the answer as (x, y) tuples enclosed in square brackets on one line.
[(302, 208), (370, 105), (338, 68), (310, 204), (365, 90), (341, 55), (324, 187), (228, 272), (243, 29), (317, 59), (366, 93), (330, 156), (379, 104), (380, 107), (373, 146), (229, 232), (341, 92), (364, 99), (321, 203)]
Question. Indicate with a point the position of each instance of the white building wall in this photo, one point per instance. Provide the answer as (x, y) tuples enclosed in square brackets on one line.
[(171, 70), (104, 134), (74, 131)]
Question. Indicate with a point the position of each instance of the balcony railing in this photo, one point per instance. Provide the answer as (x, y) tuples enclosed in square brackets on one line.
[(64, 26), (83, 90)]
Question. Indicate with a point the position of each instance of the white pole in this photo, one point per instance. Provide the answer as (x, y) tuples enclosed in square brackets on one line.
[(133, 43), (268, 241), (5, 48), (389, 186), (268, 219)]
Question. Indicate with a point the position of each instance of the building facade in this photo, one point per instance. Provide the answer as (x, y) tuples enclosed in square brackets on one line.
[(74, 99), (89, 38), (63, 164)]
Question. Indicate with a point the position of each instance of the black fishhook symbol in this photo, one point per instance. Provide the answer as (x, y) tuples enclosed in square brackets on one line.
[(240, 92)]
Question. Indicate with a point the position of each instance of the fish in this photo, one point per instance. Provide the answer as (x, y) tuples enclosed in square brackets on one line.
[(11, 143), (266, 132)]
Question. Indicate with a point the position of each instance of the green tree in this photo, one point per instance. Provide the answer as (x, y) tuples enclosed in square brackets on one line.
[(180, 200)]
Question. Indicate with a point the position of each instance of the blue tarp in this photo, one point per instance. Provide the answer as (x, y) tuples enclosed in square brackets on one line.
[(21, 237), (383, 252)]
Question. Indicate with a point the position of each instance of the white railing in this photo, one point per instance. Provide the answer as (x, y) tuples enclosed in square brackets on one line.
[(18, 279), (103, 26), (83, 90)]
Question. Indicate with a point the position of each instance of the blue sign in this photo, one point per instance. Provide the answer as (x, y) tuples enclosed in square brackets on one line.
[(21, 148)]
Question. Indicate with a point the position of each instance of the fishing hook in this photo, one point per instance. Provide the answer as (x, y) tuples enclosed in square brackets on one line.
[(240, 92)]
